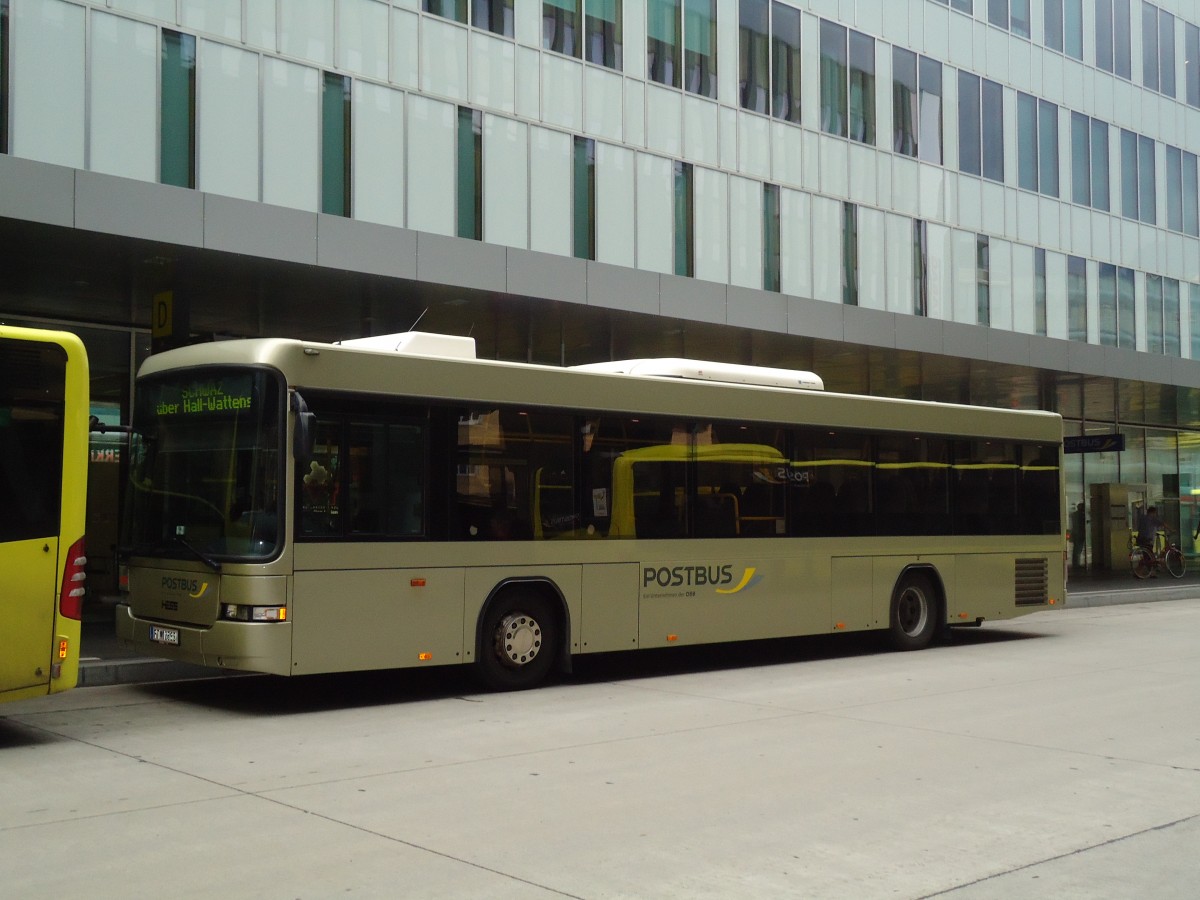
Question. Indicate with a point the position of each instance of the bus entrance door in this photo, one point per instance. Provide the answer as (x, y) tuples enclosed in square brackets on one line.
[(27, 576)]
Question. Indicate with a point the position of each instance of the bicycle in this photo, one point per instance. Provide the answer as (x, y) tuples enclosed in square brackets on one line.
[(1166, 555)]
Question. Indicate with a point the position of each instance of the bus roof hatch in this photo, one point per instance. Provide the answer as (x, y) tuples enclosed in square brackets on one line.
[(416, 343), (700, 370)]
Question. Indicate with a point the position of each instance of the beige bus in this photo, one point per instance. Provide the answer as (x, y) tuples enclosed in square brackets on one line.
[(393, 502)]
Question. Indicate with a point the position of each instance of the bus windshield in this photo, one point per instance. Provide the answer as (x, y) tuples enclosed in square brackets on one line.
[(206, 465)]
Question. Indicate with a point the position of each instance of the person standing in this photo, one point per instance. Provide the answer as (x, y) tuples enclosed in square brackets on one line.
[(1078, 536), (1148, 528)]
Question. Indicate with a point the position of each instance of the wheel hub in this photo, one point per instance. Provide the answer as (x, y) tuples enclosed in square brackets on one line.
[(912, 611), (518, 639)]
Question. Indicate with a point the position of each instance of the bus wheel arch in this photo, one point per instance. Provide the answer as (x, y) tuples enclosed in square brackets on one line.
[(916, 613), (521, 634)]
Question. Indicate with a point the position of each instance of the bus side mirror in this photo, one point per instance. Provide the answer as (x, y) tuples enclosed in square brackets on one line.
[(303, 437)]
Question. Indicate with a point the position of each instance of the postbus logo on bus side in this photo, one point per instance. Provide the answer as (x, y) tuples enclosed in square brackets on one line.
[(683, 580)]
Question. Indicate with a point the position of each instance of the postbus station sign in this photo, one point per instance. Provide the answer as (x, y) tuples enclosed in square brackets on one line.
[(1094, 443)]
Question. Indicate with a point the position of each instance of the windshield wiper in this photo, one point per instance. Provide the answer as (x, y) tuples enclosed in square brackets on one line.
[(199, 554)]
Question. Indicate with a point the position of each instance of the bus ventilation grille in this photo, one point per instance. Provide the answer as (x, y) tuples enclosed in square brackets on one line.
[(1032, 582)]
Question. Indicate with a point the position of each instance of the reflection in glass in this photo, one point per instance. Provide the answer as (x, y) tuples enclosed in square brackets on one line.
[(700, 47), (929, 139), (1100, 189), (904, 101), (1076, 298), (969, 128), (1027, 142), (1108, 305), (785, 49), (1048, 148), (833, 79), (861, 100), (1081, 160), (663, 27), (1126, 320), (604, 37), (1154, 313), (754, 54), (992, 108), (560, 26)]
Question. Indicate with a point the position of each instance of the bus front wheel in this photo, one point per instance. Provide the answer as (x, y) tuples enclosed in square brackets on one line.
[(913, 620), (518, 642)]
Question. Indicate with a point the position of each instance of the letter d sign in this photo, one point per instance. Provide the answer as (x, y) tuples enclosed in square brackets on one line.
[(164, 303)]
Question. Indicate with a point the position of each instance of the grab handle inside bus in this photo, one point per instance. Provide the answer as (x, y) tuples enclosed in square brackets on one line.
[(98, 427), (303, 436)]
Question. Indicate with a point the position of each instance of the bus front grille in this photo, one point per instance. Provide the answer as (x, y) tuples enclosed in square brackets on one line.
[(1032, 582)]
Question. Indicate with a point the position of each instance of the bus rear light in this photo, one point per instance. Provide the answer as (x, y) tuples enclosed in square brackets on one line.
[(70, 600), (243, 613), (64, 647), (424, 657)]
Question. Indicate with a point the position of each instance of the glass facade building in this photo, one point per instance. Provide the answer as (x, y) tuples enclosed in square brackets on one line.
[(982, 201)]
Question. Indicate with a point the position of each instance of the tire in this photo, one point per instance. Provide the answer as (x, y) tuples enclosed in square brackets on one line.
[(913, 620), (1140, 563), (1174, 561), (518, 641)]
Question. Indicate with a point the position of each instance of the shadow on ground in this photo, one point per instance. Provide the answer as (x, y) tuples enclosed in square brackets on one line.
[(274, 695)]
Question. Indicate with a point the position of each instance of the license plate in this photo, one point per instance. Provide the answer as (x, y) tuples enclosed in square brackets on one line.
[(164, 635)]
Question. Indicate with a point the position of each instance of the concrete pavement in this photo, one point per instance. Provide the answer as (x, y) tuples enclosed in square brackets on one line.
[(1056, 755)]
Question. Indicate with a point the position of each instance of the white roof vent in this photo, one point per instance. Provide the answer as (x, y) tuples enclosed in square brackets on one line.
[(699, 370), (416, 343)]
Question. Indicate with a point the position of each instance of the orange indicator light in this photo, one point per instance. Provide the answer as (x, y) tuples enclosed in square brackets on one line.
[(283, 614), (62, 648), (424, 657), (963, 615), (840, 625), (672, 637), (417, 582)]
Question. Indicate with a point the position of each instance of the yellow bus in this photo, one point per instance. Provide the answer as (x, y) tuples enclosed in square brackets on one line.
[(300, 508), (43, 480)]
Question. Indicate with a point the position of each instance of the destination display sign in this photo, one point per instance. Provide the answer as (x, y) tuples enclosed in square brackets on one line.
[(206, 397)]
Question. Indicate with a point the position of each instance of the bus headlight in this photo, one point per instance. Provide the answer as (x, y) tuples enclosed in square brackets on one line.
[(243, 613)]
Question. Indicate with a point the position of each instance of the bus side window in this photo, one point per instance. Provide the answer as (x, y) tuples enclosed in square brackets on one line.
[(635, 477), (513, 465), (405, 491), (1040, 513), (320, 491), (659, 500), (367, 456), (986, 487), (831, 484), (385, 492)]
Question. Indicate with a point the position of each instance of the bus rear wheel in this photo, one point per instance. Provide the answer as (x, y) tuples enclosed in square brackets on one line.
[(518, 643), (913, 620)]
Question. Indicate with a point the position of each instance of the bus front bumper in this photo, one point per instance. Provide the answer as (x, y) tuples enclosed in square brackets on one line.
[(245, 646)]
